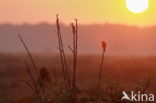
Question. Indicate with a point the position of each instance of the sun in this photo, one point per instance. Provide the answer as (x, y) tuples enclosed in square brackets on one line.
[(137, 6)]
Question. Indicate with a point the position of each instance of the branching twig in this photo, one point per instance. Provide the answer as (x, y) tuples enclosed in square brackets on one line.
[(32, 78), (65, 69), (74, 51), (28, 84)]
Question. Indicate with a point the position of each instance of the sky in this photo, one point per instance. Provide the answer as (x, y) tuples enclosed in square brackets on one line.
[(86, 11)]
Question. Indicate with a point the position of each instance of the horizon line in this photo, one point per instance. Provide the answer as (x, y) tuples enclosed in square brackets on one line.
[(82, 24)]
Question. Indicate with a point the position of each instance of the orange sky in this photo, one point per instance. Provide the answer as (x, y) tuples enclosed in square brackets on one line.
[(87, 11)]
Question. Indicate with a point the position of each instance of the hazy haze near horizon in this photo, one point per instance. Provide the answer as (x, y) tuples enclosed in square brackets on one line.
[(121, 39)]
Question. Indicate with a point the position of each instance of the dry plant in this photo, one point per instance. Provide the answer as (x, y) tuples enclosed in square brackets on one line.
[(69, 79), (65, 69), (38, 79), (33, 79), (101, 71), (35, 87), (74, 51), (67, 91)]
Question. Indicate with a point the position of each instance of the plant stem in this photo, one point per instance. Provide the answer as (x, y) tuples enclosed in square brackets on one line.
[(62, 56), (100, 76), (74, 51), (29, 54), (32, 78)]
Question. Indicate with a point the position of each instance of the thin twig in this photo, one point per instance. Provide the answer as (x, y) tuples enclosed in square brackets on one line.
[(32, 78), (28, 84), (30, 56)]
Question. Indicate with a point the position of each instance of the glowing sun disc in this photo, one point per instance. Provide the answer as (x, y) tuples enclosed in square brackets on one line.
[(137, 6)]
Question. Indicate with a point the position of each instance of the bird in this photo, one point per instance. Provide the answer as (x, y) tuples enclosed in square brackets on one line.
[(104, 45)]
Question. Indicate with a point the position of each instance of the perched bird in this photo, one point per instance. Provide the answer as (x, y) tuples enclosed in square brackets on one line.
[(104, 45)]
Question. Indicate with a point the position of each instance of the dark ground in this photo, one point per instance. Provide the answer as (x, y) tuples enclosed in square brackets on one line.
[(124, 70)]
